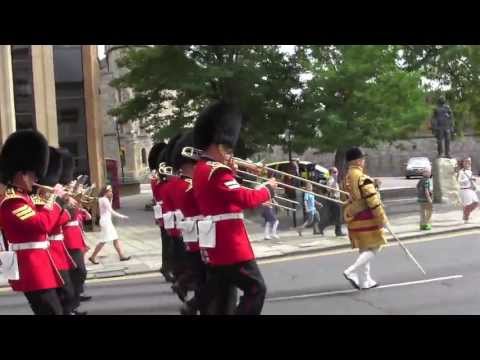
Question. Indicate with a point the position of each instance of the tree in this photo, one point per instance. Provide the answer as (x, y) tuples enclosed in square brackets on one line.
[(453, 70), (260, 78), (361, 96)]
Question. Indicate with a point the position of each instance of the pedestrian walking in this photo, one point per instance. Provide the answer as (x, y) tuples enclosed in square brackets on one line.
[(333, 213), (108, 231), (271, 221), (312, 215), (468, 188), (424, 198)]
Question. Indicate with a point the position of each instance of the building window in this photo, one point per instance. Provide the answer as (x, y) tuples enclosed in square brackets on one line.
[(144, 156), (23, 86), (72, 122)]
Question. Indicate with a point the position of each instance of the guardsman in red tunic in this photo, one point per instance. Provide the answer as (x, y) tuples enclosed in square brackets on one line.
[(188, 213), (170, 219), (221, 200), (73, 236), (62, 259), (23, 159), (157, 182)]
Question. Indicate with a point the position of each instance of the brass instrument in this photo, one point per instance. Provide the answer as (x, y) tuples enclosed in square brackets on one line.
[(196, 153), (276, 196)]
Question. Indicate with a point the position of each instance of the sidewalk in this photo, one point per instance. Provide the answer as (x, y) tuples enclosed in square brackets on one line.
[(140, 237)]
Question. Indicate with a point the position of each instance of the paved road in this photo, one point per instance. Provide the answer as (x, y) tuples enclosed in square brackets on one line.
[(313, 284)]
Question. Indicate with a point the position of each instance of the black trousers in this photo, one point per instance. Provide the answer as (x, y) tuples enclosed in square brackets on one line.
[(194, 279), (443, 136), (67, 293), (221, 280), (79, 274), (178, 256), (44, 302), (166, 251), (331, 214)]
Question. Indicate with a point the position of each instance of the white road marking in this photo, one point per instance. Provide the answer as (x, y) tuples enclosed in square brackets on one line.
[(321, 252), (329, 293)]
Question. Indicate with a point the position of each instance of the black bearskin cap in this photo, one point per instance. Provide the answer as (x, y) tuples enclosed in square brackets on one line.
[(166, 153), (154, 155), (218, 123), (68, 167), (24, 150), (54, 170), (176, 157), (354, 154)]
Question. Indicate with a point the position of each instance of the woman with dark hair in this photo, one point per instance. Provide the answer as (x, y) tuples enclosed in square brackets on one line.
[(109, 232)]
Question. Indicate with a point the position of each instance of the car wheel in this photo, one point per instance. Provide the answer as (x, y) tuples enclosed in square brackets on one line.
[(407, 177)]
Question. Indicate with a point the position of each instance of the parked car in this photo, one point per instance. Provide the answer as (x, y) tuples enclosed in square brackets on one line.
[(416, 165)]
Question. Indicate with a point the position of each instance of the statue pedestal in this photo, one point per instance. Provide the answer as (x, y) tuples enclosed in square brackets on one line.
[(445, 185)]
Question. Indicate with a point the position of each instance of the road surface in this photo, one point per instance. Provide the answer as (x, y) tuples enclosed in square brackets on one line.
[(313, 284)]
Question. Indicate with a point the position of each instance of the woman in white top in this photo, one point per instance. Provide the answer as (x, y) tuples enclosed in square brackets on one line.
[(468, 194), (109, 233)]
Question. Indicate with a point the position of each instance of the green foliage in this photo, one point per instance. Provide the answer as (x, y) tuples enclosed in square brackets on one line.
[(361, 97)]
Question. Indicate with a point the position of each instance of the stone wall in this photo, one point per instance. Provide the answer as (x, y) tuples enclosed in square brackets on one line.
[(389, 160)]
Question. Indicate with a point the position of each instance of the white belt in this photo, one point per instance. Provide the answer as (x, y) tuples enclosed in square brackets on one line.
[(72, 223), (222, 217), (29, 245), (58, 237), (194, 218)]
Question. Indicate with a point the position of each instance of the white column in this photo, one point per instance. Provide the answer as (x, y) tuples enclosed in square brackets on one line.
[(7, 103)]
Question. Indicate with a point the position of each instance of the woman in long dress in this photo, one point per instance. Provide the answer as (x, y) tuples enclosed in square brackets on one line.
[(468, 194), (109, 233)]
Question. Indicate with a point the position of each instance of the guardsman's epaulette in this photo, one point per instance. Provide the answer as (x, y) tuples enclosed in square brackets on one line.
[(10, 193), (215, 166), (37, 200)]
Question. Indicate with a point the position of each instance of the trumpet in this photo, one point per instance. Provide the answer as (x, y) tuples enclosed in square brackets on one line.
[(195, 154)]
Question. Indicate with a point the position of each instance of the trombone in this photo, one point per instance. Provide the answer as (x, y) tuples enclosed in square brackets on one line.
[(193, 153), (274, 203), (276, 196)]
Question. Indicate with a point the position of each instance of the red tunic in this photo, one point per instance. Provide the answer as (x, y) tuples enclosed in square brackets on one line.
[(217, 192), (21, 222), (183, 199), (168, 193), (60, 255), (73, 233), (158, 194)]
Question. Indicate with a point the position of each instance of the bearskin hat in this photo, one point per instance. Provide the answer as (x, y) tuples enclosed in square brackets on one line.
[(24, 150), (354, 154), (218, 123), (154, 154), (176, 157), (54, 170), (68, 167), (166, 153)]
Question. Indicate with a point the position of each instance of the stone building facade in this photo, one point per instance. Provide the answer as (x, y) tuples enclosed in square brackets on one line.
[(55, 90), (128, 144)]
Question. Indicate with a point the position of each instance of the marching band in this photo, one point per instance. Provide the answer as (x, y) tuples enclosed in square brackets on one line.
[(198, 205)]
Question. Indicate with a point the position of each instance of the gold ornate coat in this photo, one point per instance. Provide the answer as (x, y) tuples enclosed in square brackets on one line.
[(364, 214)]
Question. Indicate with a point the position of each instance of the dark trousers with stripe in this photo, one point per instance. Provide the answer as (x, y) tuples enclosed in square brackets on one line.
[(44, 302), (221, 282), (194, 279), (67, 293), (79, 274)]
